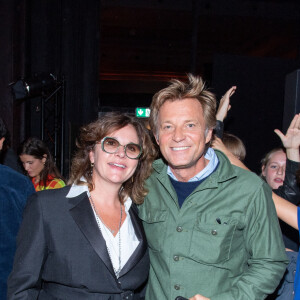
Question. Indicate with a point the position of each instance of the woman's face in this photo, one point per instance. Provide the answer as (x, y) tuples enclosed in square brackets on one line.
[(274, 171), (115, 168), (32, 165)]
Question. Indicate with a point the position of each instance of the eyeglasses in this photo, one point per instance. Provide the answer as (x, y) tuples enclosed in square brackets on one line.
[(111, 145)]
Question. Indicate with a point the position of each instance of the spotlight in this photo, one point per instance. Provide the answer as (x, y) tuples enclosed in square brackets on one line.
[(35, 86)]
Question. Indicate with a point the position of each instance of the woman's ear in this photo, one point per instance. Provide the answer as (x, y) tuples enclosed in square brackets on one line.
[(92, 156), (44, 158)]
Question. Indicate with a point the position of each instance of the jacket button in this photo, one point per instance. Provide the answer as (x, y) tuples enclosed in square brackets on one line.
[(176, 287), (214, 232), (179, 229), (176, 258)]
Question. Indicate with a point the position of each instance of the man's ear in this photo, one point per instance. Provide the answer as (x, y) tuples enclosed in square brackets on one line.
[(208, 135), (263, 171)]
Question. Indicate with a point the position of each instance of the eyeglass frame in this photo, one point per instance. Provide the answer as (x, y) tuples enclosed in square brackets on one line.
[(124, 147)]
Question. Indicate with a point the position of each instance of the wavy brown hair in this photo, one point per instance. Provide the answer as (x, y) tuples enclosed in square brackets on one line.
[(95, 132)]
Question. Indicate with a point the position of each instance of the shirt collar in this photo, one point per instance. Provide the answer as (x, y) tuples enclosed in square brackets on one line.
[(77, 190), (213, 162)]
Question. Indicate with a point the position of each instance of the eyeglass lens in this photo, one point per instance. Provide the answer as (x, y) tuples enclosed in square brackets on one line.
[(111, 145)]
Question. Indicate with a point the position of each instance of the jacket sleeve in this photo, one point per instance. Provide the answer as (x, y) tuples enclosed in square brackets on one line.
[(24, 281), (290, 189), (219, 129), (266, 253)]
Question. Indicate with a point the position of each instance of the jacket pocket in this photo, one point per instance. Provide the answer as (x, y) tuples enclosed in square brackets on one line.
[(211, 242), (154, 225)]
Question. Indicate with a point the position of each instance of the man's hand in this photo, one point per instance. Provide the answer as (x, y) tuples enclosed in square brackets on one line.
[(224, 105), (199, 297), (291, 141)]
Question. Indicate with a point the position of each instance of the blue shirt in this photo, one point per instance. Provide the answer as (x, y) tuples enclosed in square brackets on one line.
[(184, 189), (211, 166)]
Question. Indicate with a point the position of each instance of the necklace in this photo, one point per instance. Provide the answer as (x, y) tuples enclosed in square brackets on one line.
[(98, 219)]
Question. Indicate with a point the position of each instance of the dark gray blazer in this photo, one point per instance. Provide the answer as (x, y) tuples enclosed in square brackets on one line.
[(61, 253)]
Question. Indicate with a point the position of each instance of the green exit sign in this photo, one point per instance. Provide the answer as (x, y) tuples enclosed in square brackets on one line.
[(142, 112)]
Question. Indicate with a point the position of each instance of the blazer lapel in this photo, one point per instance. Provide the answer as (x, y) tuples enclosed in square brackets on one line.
[(140, 234), (83, 215)]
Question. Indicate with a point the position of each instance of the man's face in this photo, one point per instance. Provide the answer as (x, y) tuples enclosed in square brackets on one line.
[(181, 135)]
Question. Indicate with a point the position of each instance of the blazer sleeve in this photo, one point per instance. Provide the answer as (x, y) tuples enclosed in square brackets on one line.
[(24, 281)]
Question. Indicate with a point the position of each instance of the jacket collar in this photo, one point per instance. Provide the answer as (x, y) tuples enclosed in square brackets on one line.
[(224, 172)]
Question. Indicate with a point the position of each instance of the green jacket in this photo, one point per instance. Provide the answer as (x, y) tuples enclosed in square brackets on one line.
[(191, 253)]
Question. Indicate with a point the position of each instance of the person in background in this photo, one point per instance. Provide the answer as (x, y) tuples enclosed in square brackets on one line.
[(279, 168), (15, 188), (233, 143), (39, 165), (86, 241), (7, 155), (211, 227)]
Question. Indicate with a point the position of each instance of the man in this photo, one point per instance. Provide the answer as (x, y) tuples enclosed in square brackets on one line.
[(15, 188), (211, 227)]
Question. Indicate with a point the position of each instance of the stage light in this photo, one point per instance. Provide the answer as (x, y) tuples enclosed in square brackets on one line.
[(35, 86)]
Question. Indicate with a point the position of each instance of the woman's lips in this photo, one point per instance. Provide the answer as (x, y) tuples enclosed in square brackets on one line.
[(278, 180)]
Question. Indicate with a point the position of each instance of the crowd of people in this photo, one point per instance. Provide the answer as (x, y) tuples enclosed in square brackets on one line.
[(194, 224)]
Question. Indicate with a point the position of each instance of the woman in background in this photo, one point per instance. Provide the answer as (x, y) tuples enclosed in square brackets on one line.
[(39, 165)]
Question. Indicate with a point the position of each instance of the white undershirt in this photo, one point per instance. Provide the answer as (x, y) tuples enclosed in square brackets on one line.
[(129, 241)]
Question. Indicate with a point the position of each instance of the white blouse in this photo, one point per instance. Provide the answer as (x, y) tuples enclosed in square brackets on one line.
[(129, 241)]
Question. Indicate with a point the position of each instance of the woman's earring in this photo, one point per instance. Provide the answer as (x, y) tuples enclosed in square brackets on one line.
[(91, 170)]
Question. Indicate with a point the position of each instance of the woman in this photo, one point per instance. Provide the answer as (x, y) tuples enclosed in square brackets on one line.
[(279, 168), (39, 165), (88, 242)]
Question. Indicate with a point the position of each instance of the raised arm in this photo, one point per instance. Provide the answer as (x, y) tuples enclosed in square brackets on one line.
[(286, 211), (224, 105), (291, 140)]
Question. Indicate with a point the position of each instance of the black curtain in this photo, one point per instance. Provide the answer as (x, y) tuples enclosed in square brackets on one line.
[(62, 38)]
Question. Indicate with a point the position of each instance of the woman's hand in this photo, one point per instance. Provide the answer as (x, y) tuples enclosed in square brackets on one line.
[(291, 140), (224, 105)]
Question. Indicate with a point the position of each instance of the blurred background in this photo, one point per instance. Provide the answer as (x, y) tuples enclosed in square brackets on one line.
[(64, 63)]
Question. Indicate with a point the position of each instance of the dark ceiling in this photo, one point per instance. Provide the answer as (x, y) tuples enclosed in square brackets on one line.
[(155, 40)]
